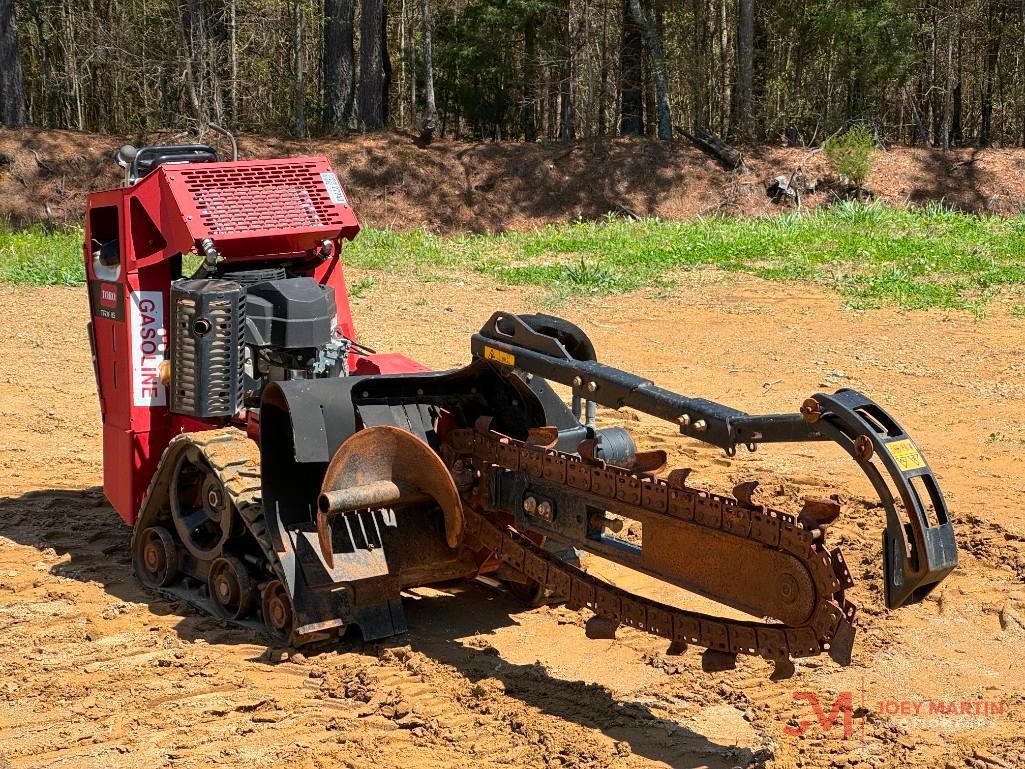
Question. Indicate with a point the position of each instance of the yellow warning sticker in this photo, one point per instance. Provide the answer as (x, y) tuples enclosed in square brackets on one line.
[(907, 455), (498, 355)]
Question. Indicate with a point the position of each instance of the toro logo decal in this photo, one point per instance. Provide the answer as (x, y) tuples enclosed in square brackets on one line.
[(107, 300), (149, 342)]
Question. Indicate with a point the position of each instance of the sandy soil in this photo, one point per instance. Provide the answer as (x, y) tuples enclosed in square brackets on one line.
[(96, 672), (458, 186)]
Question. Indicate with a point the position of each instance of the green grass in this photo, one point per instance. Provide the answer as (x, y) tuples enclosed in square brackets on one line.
[(871, 254), (40, 257), (359, 288)]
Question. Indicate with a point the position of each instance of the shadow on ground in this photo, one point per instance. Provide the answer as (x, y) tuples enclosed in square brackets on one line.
[(81, 525)]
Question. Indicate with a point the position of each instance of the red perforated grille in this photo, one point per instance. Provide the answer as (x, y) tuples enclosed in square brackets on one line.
[(255, 198)]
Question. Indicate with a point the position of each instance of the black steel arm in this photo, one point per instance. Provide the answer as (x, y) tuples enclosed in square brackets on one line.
[(919, 545)]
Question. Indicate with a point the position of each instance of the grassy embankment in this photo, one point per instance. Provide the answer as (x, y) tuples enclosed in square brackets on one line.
[(871, 254)]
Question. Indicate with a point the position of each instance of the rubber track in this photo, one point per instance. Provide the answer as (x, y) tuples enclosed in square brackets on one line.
[(235, 460)]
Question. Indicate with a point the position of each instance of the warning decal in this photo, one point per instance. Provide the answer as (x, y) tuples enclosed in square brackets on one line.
[(490, 353), (334, 188), (907, 455)]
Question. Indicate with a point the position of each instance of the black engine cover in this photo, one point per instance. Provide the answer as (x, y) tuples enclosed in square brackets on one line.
[(290, 314)]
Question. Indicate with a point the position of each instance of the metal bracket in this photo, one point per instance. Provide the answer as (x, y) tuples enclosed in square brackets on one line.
[(919, 549)]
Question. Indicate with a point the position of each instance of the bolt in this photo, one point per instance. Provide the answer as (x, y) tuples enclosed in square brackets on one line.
[(683, 419), (577, 381), (811, 411), (529, 505), (701, 425), (592, 386), (214, 498), (544, 510), (600, 521), (863, 448)]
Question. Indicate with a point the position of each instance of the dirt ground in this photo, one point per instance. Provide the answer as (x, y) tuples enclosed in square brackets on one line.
[(459, 186), (96, 672)]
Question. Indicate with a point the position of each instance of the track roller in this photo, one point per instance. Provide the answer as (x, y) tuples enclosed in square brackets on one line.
[(158, 558), (277, 611), (231, 588)]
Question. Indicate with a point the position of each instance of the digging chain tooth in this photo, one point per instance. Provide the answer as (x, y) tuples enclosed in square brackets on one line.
[(830, 624), (744, 494)]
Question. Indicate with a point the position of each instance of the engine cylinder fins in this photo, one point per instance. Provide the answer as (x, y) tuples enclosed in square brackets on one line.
[(201, 511), (231, 588), (276, 608), (206, 347), (385, 466), (157, 557)]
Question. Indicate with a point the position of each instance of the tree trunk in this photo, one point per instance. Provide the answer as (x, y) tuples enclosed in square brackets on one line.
[(299, 101), (699, 113), (385, 63), (948, 91), (338, 64), (233, 58), (589, 91), (631, 55), (371, 66), (12, 88), (430, 108), (529, 116), (567, 115), (994, 29), (188, 32), (403, 58), (658, 66), (648, 89), (412, 74), (604, 89), (727, 68), (745, 66)]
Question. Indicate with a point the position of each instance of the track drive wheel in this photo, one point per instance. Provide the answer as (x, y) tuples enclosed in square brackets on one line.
[(200, 508), (157, 557), (231, 588), (277, 611)]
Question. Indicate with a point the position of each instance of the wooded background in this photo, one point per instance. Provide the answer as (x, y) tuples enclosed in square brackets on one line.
[(925, 72)]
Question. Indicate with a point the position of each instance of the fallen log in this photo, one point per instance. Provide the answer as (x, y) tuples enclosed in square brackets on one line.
[(712, 145)]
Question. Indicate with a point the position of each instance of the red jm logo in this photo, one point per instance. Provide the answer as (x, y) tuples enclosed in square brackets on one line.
[(842, 704)]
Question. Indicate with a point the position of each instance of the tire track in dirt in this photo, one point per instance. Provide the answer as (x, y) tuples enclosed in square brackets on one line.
[(94, 671)]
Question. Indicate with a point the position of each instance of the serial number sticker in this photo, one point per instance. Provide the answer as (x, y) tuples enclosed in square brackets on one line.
[(334, 188), (490, 353), (907, 455)]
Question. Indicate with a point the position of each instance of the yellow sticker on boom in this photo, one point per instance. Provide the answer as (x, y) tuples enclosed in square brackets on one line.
[(907, 455), (500, 356)]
